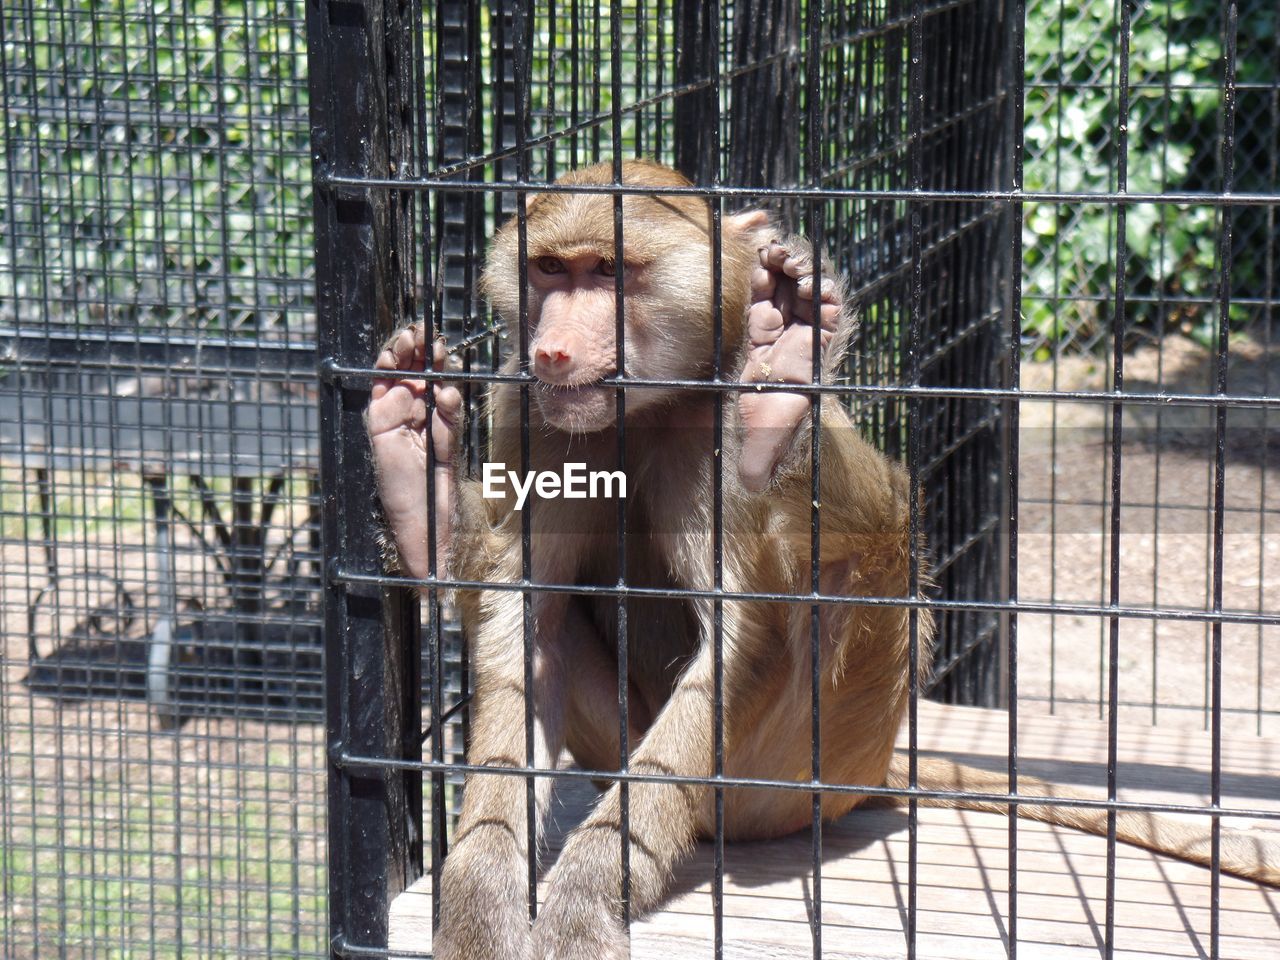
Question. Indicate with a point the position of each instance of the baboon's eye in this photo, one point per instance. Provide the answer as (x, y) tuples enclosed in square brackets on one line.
[(606, 268), (550, 264)]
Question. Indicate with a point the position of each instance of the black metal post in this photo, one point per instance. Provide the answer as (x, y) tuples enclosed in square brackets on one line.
[(459, 217), (44, 486), (361, 126), (964, 75), (696, 61), (764, 145), (503, 44)]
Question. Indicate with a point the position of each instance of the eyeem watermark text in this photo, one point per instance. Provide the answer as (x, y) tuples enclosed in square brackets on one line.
[(574, 482)]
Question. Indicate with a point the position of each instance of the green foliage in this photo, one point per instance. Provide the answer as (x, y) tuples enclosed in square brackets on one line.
[(158, 160), (1074, 134)]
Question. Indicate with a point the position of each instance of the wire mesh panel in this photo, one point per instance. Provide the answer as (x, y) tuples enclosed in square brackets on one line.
[(1171, 294), (1058, 223), (160, 785), (827, 116), (1149, 242)]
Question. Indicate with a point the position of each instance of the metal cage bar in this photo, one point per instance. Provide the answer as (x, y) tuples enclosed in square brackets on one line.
[(361, 122), (733, 53), (1052, 213)]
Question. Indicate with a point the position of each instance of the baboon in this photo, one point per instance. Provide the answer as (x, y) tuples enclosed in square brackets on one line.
[(769, 302)]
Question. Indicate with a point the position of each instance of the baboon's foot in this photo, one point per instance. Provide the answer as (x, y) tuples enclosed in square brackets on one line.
[(780, 350), (397, 422), (585, 930), (483, 913)]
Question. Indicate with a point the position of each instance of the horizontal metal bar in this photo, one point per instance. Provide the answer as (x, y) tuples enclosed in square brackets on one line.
[(1092, 702), (44, 107), (331, 370), (1157, 299), (339, 575), (1111, 197), (340, 946), (1135, 504), (1157, 86), (342, 759), (66, 345)]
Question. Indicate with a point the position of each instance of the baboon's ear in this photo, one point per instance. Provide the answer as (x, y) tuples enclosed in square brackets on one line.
[(747, 221)]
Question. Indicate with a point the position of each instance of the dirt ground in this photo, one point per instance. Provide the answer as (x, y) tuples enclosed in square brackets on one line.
[(1166, 545)]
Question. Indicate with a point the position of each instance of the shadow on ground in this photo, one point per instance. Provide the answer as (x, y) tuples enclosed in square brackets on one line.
[(270, 672)]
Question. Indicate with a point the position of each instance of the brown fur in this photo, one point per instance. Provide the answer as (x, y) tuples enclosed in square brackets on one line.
[(1251, 857), (865, 551)]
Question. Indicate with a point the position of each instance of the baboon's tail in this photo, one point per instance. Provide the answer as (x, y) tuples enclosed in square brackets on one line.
[(1241, 854)]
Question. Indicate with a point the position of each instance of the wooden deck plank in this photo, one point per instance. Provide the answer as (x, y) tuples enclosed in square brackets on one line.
[(1162, 905)]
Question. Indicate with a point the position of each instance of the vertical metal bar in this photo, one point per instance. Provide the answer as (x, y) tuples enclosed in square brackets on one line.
[(813, 175), (160, 693), (1270, 288), (44, 488), (915, 134), (711, 16), (413, 153), (451, 73), (1229, 18), (402, 95), (1057, 350), (659, 122), (522, 29), (1117, 439), (620, 412), (575, 59), (1104, 491), (552, 113), (640, 72), (596, 96), (1016, 83), (370, 641), (1166, 102)]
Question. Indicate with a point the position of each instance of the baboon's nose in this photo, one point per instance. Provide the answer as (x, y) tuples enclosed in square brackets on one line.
[(554, 360)]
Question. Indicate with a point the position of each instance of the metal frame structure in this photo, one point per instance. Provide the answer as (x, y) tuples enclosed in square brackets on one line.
[(160, 624), (401, 187), (938, 384), (1038, 204)]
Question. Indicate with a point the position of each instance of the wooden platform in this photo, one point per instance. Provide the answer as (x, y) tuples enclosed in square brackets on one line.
[(1162, 905)]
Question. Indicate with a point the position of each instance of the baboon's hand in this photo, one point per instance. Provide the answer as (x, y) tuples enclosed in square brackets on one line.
[(398, 432), (784, 308)]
